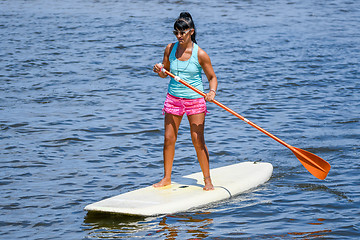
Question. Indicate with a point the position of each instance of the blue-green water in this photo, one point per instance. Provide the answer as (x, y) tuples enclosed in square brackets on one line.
[(81, 119)]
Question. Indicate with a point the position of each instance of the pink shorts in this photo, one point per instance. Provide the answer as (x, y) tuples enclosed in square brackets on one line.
[(179, 106)]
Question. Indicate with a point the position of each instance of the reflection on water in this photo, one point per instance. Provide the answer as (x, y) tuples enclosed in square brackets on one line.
[(195, 224), (311, 235), (192, 225), (108, 226), (109, 220)]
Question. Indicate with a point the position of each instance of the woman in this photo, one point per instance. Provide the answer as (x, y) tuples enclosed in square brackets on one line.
[(186, 60)]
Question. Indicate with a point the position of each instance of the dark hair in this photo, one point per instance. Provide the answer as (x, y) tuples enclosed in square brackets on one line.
[(184, 22)]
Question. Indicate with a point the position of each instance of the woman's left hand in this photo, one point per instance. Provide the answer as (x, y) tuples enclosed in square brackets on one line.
[(210, 96)]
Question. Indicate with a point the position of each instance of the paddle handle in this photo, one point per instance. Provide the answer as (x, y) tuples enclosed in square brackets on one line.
[(227, 109)]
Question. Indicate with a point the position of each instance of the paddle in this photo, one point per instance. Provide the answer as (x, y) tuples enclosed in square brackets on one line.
[(314, 164)]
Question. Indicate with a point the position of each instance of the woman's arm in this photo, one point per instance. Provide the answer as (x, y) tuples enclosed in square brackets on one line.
[(165, 62), (205, 63)]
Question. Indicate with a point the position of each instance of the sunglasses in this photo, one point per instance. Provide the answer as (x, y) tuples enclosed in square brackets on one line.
[(182, 33)]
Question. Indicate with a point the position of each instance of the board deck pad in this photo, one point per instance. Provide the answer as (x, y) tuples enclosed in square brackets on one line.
[(187, 193)]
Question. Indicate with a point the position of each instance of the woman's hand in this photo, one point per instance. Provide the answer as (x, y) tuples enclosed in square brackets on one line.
[(157, 67), (210, 96)]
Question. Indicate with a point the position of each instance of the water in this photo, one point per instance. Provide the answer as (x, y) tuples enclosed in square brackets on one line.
[(80, 116)]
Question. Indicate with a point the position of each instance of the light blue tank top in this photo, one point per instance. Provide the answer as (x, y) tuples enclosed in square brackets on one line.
[(189, 71)]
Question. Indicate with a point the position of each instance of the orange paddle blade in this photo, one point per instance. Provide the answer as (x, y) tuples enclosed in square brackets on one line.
[(314, 164)]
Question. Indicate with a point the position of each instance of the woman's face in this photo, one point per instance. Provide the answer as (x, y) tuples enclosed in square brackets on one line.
[(183, 36)]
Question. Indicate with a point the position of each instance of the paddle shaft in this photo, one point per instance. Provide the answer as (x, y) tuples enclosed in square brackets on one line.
[(230, 110)]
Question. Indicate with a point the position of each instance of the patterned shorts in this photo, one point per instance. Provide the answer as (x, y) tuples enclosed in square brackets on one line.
[(179, 106)]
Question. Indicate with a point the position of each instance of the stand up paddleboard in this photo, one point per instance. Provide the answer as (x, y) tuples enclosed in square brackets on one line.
[(187, 193)]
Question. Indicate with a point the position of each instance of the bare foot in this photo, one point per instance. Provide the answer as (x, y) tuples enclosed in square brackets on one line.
[(208, 184), (164, 182)]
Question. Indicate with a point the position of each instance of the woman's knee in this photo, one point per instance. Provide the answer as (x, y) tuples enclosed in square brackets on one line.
[(198, 140), (169, 139)]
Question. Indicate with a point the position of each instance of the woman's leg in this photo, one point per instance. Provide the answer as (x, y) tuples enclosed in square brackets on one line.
[(172, 123), (197, 124)]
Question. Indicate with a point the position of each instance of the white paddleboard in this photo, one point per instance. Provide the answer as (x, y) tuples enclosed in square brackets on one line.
[(188, 193)]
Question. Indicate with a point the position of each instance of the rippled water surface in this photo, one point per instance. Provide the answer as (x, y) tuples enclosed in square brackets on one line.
[(81, 119)]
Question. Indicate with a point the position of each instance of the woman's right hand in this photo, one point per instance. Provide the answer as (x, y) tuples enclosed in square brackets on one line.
[(157, 67)]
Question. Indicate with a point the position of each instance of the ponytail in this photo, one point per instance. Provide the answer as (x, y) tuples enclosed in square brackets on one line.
[(185, 22)]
